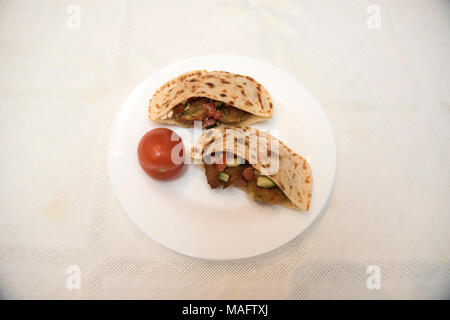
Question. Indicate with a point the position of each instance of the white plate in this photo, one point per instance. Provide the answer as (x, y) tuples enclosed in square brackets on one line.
[(185, 214)]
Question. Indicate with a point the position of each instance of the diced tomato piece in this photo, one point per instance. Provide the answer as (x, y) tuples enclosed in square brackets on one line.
[(211, 110), (178, 108), (208, 122), (209, 107), (248, 174), (220, 167), (218, 114), (221, 162)]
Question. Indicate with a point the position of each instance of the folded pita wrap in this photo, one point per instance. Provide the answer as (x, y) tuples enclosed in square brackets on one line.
[(290, 172), (239, 91)]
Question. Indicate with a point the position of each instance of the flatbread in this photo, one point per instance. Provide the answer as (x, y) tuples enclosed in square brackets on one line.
[(293, 174), (242, 92)]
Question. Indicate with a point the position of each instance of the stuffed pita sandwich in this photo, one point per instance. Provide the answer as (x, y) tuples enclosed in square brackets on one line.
[(216, 98), (257, 163)]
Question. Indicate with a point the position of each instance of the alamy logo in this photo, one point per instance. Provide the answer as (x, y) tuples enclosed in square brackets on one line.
[(74, 278), (73, 21), (374, 20), (374, 280)]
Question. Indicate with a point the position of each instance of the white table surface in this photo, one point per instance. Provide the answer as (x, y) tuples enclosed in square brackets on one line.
[(386, 92)]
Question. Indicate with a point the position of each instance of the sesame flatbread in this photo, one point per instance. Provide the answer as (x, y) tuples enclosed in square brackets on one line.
[(239, 99), (290, 172)]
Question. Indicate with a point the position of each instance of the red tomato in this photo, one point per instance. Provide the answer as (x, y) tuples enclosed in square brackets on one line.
[(221, 162), (160, 153)]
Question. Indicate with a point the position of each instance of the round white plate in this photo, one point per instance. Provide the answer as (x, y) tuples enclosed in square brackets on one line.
[(185, 214)]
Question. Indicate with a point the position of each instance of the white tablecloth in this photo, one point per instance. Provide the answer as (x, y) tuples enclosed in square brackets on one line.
[(386, 92)]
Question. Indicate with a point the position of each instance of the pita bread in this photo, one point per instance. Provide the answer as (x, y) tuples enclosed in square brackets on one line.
[(293, 174), (242, 92)]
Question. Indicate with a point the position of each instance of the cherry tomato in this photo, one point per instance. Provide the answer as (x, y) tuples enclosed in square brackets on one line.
[(160, 153)]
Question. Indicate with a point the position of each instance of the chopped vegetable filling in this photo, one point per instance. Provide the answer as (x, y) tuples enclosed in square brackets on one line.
[(260, 187), (210, 112)]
